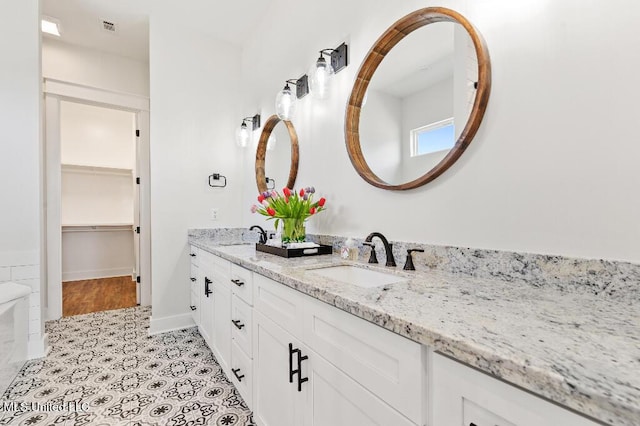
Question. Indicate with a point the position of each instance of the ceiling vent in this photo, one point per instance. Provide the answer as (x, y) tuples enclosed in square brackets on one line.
[(109, 26)]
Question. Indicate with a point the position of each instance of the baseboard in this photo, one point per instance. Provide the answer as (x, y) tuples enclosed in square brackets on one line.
[(171, 323), (98, 273), (38, 348)]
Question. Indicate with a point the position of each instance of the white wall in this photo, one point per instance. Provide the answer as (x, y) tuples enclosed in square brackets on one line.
[(96, 136), (67, 62), (381, 125), (96, 197), (20, 154), (195, 85), (89, 253), (99, 138), (554, 166)]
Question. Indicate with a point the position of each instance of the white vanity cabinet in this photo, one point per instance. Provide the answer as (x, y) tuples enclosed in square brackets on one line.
[(297, 361), (315, 365), (465, 396)]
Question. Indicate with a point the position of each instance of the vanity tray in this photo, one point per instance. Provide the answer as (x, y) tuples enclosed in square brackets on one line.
[(296, 252)]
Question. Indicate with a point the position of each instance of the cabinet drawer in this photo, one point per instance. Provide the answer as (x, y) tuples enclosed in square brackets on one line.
[(280, 304), (242, 283), (241, 331), (241, 366), (463, 395), (386, 364)]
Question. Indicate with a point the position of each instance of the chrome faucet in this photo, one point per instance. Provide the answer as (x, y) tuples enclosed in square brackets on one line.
[(263, 233), (388, 248)]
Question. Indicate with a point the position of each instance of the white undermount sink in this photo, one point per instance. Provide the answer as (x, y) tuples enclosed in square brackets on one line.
[(361, 277)]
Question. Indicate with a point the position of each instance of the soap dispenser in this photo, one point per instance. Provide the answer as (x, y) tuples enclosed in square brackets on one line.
[(349, 250)]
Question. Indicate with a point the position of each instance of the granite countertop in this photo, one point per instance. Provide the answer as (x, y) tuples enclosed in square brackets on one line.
[(576, 349)]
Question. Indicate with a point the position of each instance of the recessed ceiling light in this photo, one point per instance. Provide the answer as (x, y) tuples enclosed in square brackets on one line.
[(50, 26)]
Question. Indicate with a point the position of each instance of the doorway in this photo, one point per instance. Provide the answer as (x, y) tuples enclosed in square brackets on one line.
[(97, 209), (98, 206)]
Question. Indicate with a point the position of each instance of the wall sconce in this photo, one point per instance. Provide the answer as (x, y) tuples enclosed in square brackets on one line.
[(243, 133), (322, 71), (286, 100)]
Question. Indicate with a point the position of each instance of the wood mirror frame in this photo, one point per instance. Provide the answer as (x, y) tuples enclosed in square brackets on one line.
[(376, 54), (262, 151)]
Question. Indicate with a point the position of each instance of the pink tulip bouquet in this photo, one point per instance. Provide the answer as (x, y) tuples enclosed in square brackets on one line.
[(291, 208)]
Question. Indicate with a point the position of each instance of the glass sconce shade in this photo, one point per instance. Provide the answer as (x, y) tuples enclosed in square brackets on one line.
[(243, 135), (285, 103), (320, 78)]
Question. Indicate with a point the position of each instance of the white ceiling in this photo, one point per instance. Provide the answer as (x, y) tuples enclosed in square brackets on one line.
[(81, 21)]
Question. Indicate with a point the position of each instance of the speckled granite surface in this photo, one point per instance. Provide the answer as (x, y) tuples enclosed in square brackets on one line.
[(576, 348), (618, 280)]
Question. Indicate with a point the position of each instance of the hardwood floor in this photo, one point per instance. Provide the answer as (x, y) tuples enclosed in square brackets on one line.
[(102, 294)]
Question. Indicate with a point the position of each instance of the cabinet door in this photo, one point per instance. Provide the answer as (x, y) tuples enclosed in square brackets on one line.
[(222, 323), (206, 307), (279, 303), (276, 400), (332, 398), (464, 396), (386, 364)]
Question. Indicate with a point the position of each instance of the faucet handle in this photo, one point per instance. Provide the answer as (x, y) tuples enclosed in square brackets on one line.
[(408, 266), (372, 258)]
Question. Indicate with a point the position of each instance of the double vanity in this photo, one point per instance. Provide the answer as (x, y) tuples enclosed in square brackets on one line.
[(323, 341)]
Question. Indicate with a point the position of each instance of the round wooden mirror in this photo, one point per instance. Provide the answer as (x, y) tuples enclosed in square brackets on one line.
[(280, 141), (418, 99)]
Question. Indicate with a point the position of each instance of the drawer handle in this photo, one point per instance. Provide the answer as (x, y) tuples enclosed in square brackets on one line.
[(472, 424), (238, 283), (193, 308), (238, 324), (235, 373), (193, 280), (207, 290), (192, 254)]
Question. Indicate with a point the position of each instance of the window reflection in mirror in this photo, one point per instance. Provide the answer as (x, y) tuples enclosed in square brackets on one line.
[(439, 136)]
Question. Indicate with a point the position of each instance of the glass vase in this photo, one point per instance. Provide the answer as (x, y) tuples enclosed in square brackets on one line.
[(293, 230)]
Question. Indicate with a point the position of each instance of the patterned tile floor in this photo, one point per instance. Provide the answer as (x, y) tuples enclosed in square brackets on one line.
[(103, 369)]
